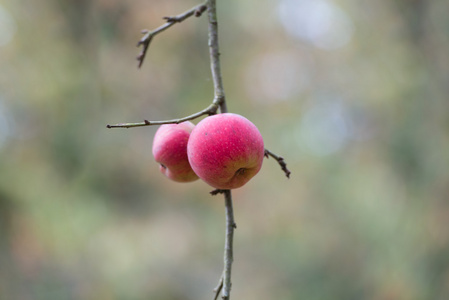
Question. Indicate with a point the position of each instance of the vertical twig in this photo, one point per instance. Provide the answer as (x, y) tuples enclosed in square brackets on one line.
[(228, 255), (221, 101), (214, 54)]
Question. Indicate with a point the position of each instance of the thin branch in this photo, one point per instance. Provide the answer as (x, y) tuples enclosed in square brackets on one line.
[(280, 161), (145, 41), (225, 280), (214, 54), (218, 288), (228, 255), (217, 191), (210, 110)]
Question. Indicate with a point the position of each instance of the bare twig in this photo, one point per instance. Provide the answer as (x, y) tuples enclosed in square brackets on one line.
[(280, 161), (217, 191), (210, 110), (214, 54), (218, 288), (145, 41), (228, 255)]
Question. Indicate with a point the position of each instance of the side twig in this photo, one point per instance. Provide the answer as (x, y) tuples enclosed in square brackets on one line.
[(217, 289), (210, 110), (280, 161), (145, 41)]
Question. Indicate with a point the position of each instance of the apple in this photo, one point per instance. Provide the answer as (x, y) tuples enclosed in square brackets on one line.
[(170, 151), (225, 150)]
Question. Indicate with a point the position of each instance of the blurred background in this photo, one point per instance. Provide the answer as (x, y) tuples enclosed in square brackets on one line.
[(353, 94)]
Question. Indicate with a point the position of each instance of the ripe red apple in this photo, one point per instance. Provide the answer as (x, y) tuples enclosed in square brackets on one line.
[(170, 151), (225, 150)]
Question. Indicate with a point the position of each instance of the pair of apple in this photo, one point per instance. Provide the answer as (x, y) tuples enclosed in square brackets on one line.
[(224, 150)]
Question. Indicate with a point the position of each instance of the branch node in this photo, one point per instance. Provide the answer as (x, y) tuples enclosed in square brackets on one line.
[(172, 19), (199, 11)]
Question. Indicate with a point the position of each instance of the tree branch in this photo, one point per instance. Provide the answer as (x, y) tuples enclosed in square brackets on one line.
[(219, 98), (228, 255), (210, 110), (214, 53), (219, 102), (145, 41), (280, 161)]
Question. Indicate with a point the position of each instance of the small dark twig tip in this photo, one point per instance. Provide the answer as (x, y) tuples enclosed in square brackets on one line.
[(217, 191), (280, 161)]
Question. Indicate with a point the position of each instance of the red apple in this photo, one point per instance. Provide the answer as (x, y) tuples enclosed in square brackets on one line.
[(170, 151), (225, 150)]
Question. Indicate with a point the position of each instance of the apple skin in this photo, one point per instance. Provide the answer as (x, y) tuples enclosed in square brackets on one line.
[(170, 151), (225, 150)]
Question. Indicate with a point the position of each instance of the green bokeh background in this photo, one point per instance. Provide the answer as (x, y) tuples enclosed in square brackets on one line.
[(353, 94)]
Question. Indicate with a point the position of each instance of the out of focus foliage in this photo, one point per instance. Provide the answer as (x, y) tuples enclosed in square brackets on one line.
[(354, 95)]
